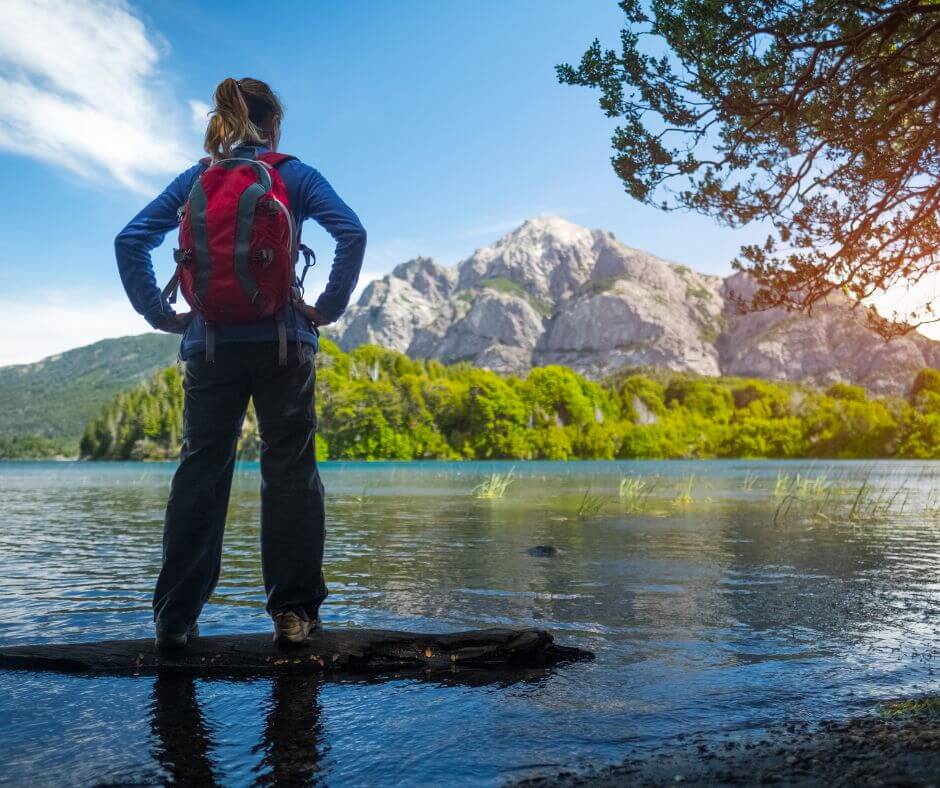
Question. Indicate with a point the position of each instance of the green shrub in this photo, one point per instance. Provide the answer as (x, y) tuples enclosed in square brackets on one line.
[(847, 392)]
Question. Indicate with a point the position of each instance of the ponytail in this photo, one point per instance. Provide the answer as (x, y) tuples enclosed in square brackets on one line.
[(246, 110)]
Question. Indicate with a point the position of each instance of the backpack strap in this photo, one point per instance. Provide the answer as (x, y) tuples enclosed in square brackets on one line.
[(168, 294), (210, 342), (281, 342), (275, 159)]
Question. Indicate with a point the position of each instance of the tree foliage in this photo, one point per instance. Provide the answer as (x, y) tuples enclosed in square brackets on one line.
[(35, 447), (818, 117), (375, 404)]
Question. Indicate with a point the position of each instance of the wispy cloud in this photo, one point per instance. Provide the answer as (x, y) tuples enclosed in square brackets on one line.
[(88, 315), (79, 88), (489, 230), (200, 114)]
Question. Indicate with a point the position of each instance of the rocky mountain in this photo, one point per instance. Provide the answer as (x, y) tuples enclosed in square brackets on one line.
[(552, 292), (55, 397)]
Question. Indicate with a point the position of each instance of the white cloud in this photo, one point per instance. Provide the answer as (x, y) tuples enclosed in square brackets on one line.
[(67, 319), (61, 321), (79, 88), (200, 115)]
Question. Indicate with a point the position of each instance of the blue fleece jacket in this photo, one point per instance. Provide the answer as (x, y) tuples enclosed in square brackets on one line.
[(311, 197)]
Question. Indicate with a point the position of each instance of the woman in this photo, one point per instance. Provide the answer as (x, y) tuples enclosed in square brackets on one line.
[(245, 123)]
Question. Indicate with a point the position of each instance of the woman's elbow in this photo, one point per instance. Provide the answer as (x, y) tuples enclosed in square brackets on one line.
[(356, 236), (123, 241)]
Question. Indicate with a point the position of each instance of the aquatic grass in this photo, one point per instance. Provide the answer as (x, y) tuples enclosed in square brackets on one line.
[(820, 499), (750, 480), (783, 508), (932, 504), (915, 707), (857, 502), (591, 504), (871, 503), (800, 486), (684, 495), (635, 492), (495, 485)]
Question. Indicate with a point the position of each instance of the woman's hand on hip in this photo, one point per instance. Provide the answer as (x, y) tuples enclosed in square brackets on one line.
[(176, 323), (313, 314)]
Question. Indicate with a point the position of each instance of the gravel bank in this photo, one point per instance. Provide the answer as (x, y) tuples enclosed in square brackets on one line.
[(900, 745)]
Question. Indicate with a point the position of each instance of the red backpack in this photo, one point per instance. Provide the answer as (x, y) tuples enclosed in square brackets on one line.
[(237, 245)]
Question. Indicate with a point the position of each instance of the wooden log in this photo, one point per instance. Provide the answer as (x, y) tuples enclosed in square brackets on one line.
[(344, 651)]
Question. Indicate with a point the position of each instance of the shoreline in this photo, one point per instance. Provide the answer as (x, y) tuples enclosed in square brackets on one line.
[(897, 745), (503, 460)]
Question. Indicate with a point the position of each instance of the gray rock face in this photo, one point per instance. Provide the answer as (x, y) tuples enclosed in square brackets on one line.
[(833, 345), (499, 332), (551, 292), (433, 281), (410, 306), (636, 310)]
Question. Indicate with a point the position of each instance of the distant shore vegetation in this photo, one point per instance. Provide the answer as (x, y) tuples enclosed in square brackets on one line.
[(36, 447), (376, 404)]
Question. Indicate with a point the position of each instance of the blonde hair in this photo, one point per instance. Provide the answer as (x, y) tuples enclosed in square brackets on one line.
[(246, 110)]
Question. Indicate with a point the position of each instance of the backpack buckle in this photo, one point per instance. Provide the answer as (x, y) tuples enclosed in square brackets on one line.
[(310, 260), (263, 256), (182, 256)]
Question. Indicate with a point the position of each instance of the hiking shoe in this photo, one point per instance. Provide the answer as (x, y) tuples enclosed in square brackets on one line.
[(174, 642), (291, 629)]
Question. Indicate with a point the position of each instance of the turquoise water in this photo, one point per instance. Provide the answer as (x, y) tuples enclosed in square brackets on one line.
[(713, 615)]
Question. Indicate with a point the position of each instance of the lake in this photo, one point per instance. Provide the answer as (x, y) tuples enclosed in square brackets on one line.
[(720, 598)]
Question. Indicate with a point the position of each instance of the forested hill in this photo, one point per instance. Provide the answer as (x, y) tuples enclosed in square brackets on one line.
[(379, 404), (48, 404)]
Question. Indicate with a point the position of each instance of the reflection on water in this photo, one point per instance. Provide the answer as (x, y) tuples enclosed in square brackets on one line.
[(754, 602), (183, 741), (185, 745)]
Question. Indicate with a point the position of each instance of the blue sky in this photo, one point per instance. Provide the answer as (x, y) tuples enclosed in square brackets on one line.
[(440, 122)]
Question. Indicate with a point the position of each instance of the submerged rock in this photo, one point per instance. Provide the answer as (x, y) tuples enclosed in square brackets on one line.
[(543, 551)]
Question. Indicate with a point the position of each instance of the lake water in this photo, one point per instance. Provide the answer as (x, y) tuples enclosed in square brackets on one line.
[(734, 596)]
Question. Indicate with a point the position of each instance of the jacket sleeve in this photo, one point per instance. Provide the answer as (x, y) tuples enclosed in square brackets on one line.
[(144, 233), (324, 206)]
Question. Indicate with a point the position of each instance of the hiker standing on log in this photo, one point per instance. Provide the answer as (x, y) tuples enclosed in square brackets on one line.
[(249, 335)]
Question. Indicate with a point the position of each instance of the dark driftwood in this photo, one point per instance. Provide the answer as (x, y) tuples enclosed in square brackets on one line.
[(336, 650)]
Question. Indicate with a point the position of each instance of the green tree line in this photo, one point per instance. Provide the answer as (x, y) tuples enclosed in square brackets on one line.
[(378, 404), (35, 447)]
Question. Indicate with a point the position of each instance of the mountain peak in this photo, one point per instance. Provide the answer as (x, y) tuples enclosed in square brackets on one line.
[(547, 225), (553, 292)]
